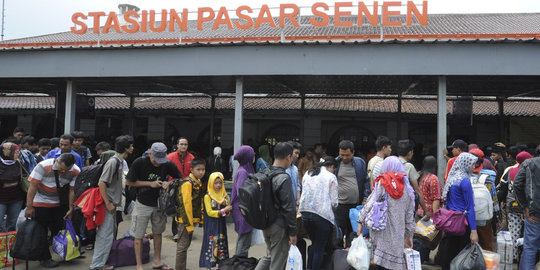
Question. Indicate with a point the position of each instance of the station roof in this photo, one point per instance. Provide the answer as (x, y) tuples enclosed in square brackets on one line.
[(481, 107)]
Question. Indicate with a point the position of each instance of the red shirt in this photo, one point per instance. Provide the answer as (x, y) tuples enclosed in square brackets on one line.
[(431, 190), (184, 166)]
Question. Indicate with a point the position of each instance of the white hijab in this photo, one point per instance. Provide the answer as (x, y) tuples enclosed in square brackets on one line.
[(460, 170)]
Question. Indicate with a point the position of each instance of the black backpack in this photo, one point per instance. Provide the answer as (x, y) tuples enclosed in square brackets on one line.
[(89, 177), (238, 263), (168, 198), (31, 242), (257, 199)]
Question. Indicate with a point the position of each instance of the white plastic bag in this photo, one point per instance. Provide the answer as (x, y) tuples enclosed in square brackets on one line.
[(295, 259), (257, 237), (412, 258), (359, 255)]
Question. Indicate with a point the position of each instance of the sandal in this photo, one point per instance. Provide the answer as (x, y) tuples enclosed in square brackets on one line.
[(89, 247), (162, 267), (108, 267)]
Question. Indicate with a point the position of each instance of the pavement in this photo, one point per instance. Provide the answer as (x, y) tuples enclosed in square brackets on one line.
[(169, 251)]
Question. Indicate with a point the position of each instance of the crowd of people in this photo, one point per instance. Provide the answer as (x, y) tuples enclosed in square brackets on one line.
[(312, 194)]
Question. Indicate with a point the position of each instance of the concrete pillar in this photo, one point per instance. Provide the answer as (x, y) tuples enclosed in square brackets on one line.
[(441, 127), (71, 103), (238, 118)]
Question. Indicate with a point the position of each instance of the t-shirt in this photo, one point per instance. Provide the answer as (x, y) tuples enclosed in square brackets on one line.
[(112, 175), (411, 171), (143, 170), (57, 152), (43, 176), (371, 167), (84, 152), (347, 184)]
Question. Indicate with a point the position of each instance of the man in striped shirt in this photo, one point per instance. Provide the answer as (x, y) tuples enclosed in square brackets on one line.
[(43, 202)]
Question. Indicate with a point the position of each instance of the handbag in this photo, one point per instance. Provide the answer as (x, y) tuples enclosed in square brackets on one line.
[(63, 192), (23, 182), (67, 243), (377, 216), (450, 221)]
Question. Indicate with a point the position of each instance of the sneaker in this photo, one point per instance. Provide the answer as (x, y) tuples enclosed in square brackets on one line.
[(50, 263)]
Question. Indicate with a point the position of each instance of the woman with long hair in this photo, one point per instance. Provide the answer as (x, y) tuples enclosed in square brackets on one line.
[(319, 198), (458, 195), (394, 187)]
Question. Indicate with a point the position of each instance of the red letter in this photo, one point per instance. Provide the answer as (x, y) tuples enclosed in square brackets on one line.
[(249, 20), (226, 20), (363, 10), (411, 8), (163, 23), (96, 16), (75, 20), (112, 22), (386, 14), (338, 13), (201, 19), (291, 16), (144, 21), (176, 19), (264, 19), (324, 16), (134, 22)]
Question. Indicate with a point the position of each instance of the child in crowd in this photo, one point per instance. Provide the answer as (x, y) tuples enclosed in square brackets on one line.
[(217, 205), (190, 210)]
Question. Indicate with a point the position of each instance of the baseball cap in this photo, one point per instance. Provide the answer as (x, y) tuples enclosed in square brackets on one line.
[(159, 152), (480, 154), (461, 144)]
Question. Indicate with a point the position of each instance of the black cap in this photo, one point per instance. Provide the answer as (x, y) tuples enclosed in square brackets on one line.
[(461, 144)]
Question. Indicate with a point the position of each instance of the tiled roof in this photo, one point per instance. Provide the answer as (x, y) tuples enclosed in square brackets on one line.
[(457, 27), (409, 106)]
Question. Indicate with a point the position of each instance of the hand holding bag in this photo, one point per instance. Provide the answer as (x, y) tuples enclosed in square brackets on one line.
[(470, 258), (67, 243), (294, 262), (450, 221)]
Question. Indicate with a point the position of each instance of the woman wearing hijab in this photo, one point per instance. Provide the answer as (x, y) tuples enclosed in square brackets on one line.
[(458, 195), (513, 210), (264, 159), (319, 199), (430, 186), (387, 244), (245, 156), (11, 194), (217, 206)]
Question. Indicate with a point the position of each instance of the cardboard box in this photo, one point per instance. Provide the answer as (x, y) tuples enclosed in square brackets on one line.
[(505, 250), (412, 257)]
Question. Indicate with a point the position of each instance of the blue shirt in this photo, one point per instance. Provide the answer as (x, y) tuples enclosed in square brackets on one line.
[(292, 171), (57, 152), (260, 165), (460, 198)]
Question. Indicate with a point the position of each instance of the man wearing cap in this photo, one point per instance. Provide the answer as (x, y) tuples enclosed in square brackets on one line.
[(458, 147), (149, 174)]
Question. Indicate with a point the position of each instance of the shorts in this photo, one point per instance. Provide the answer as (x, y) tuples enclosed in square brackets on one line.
[(140, 217)]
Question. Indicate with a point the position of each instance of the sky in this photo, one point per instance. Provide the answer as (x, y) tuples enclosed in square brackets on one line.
[(25, 18)]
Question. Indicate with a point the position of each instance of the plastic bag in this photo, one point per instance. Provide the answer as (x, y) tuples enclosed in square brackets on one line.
[(359, 255), (412, 258), (257, 237), (353, 217), (470, 258), (295, 259), (492, 260)]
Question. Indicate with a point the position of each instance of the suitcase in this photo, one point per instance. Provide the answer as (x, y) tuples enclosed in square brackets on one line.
[(123, 252)]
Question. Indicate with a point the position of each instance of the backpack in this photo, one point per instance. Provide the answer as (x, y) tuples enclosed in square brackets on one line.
[(257, 199), (168, 202), (483, 203), (31, 242), (89, 177)]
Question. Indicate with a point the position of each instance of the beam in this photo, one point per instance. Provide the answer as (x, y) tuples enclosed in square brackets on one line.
[(71, 102), (298, 59), (441, 128), (238, 118), (212, 123), (501, 120)]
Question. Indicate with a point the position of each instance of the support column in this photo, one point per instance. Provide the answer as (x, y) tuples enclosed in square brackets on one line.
[(131, 115), (441, 128), (71, 102), (238, 118), (212, 122), (303, 117), (502, 133), (400, 95)]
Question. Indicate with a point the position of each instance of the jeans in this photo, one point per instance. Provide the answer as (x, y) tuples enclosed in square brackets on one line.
[(531, 244), (102, 246), (12, 210), (277, 248), (318, 230)]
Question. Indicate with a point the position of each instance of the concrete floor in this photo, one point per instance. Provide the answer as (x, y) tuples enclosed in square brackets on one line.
[(169, 251)]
